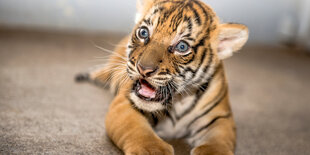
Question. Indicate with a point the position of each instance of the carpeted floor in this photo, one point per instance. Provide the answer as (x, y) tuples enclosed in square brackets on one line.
[(42, 109)]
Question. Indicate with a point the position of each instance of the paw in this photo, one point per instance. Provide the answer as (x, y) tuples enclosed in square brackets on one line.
[(82, 77), (161, 148), (211, 150)]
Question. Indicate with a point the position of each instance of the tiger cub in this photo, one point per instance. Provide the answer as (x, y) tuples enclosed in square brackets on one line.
[(169, 80)]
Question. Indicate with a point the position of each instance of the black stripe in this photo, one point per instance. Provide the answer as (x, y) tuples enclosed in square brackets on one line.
[(206, 67), (189, 38), (188, 110), (197, 16), (130, 53), (186, 55), (199, 93), (176, 67), (132, 61), (158, 78), (162, 73), (155, 11), (177, 20), (187, 35), (169, 11), (204, 53), (135, 38), (169, 1), (188, 69), (129, 72), (208, 110), (189, 24), (146, 41), (130, 46), (168, 71), (207, 16), (201, 61), (147, 21), (155, 120), (210, 123), (200, 43), (188, 61), (130, 68), (182, 67)]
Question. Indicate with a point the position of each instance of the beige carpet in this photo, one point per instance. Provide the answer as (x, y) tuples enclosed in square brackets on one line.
[(42, 109)]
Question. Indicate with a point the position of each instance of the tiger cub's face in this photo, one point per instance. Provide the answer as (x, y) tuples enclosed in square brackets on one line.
[(175, 45)]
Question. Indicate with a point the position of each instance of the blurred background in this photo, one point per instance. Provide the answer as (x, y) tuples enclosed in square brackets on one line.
[(270, 21), (44, 43)]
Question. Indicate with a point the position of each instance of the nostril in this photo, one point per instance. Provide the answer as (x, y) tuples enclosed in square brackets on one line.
[(146, 71)]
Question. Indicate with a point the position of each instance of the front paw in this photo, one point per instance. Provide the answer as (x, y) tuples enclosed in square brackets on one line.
[(211, 150), (150, 148)]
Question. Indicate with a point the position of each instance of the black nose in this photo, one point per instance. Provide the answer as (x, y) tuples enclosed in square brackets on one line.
[(147, 71)]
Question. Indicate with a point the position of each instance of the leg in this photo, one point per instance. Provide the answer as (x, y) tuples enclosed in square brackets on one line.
[(215, 138), (131, 132)]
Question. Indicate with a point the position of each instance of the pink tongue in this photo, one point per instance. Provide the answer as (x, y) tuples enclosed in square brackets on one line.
[(147, 92)]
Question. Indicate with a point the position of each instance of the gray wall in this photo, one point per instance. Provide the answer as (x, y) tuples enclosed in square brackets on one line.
[(262, 16), (89, 15)]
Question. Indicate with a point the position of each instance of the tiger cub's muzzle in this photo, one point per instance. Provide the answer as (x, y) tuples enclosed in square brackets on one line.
[(146, 87)]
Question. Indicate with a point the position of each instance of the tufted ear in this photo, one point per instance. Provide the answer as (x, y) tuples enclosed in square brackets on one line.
[(142, 7), (231, 38)]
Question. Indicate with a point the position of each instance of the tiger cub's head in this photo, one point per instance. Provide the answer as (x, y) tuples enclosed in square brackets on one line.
[(176, 45)]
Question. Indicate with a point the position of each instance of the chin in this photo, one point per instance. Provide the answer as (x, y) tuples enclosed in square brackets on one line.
[(149, 106), (150, 98)]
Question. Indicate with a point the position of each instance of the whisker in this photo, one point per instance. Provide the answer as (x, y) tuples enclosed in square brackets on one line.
[(109, 51), (117, 45)]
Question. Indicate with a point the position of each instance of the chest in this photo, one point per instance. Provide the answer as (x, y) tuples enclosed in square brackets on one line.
[(173, 126)]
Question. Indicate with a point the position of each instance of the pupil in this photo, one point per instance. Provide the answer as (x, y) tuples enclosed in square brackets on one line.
[(143, 33)]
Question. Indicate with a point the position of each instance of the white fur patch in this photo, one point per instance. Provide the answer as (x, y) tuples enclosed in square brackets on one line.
[(146, 105), (138, 17)]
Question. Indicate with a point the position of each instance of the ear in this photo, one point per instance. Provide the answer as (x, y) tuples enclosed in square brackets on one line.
[(231, 38), (142, 7)]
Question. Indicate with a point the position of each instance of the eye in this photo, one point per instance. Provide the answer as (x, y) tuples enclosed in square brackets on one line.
[(182, 47), (143, 33)]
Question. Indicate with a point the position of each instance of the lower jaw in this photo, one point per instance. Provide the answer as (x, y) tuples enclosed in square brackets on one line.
[(158, 98), (150, 106), (158, 103), (146, 99)]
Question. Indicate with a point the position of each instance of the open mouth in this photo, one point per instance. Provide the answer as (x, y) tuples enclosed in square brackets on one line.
[(146, 91)]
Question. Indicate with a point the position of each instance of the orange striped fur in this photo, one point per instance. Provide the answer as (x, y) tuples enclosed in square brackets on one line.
[(169, 80)]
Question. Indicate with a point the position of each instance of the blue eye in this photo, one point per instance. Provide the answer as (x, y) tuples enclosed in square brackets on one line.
[(143, 33), (182, 47)]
